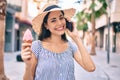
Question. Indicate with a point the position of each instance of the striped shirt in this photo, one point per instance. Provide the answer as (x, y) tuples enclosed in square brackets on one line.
[(54, 66)]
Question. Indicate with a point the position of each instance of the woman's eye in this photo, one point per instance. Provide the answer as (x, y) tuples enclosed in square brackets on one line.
[(53, 20), (61, 18)]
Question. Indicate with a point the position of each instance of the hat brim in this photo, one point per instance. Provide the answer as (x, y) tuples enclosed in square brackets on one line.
[(38, 20)]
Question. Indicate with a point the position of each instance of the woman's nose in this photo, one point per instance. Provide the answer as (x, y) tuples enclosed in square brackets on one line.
[(59, 22)]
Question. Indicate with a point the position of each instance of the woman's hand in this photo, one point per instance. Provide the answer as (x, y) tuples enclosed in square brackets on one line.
[(74, 33), (30, 61), (26, 53)]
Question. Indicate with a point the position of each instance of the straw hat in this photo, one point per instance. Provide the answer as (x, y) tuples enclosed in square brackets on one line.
[(38, 20)]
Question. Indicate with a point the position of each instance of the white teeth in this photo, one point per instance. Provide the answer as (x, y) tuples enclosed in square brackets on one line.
[(60, 28)]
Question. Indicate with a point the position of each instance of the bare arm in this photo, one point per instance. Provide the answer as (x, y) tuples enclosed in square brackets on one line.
[(30, 61), (28, 74), (30, 70), (81, 55)]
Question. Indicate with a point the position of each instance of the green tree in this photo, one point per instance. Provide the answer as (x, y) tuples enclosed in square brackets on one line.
[(91, 14), (81, 22), (96, 14)]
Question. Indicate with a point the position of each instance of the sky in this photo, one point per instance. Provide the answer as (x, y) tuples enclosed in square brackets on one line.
[(69, 3)]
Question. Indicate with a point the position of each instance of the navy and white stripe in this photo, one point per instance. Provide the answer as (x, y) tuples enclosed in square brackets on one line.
[(54, 66)]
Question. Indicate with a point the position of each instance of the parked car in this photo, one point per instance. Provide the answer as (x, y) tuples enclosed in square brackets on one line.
[(19, 58)]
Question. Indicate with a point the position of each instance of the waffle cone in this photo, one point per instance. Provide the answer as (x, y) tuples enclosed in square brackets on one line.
[(28, 41)]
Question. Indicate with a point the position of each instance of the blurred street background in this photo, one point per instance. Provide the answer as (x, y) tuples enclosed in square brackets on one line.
[(104, 71), (98, 22)]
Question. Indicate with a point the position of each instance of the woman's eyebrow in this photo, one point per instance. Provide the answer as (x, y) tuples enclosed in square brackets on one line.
[(52, 18), (61, 15)]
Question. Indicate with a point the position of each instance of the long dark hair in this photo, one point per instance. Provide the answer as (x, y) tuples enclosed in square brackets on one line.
[(45, 33)]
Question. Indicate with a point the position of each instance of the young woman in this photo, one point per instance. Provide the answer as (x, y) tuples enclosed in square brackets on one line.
[(52, 56)]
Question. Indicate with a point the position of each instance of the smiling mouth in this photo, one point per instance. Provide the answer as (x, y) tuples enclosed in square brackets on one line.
[(60, 28)]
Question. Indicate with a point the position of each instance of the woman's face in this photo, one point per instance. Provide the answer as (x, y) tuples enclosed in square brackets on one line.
[(56, 23)]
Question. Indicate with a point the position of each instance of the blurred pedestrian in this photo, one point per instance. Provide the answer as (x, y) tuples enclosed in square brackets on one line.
[(52, 56)]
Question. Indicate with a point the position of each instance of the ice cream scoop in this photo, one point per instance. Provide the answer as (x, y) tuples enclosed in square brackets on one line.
[(27, 37)]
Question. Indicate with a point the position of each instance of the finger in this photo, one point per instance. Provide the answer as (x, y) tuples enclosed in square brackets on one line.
[(27, 49), (25, 45), (68, 19), (23, 53), (68, 32), (26, 55), (74, 26)]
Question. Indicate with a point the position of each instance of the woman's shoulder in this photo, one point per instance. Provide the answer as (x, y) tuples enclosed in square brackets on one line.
[(73, 46), (70, 43), (36, 47), (36, 42)]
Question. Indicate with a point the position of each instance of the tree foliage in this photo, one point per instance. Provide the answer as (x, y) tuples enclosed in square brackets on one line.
[(81, 21), (83, 17)]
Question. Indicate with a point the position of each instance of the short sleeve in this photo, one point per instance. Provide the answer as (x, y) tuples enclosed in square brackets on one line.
[(73, 46), (35, 48)]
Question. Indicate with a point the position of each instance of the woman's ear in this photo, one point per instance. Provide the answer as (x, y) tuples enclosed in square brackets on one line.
[(46, 26)]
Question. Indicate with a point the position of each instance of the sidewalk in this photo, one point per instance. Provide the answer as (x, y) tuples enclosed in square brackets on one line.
[(14, 70), (112, 70), (104, 71)]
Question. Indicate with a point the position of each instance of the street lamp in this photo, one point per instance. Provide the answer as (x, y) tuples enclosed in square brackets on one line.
[(109, 14)]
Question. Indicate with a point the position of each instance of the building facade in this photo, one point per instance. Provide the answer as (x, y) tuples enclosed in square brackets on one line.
[(14, 26), (102, 29), (18, 18)]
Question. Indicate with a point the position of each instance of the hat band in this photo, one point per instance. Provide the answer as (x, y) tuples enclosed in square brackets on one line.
[(51, 7)]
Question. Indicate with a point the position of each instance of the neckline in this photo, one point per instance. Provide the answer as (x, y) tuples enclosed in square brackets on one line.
[(53, 51)]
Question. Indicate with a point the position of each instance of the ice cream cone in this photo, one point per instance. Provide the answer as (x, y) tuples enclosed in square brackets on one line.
[(27, 37), (28, 41)]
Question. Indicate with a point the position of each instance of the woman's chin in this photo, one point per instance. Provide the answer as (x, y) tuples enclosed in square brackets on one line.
[(60, 32)]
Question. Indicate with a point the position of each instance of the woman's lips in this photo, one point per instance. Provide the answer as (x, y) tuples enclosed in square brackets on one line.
[(60, 28)]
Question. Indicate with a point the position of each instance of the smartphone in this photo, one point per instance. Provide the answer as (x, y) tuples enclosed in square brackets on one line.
[(69, 25)]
